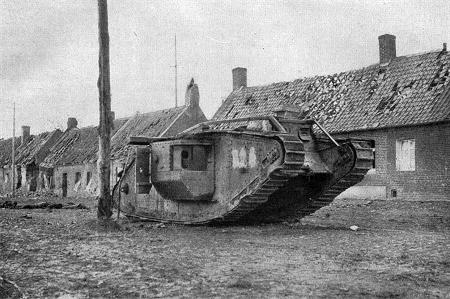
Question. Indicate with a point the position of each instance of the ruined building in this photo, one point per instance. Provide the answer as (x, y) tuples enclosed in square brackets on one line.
[(30, 151), (70, 169), (401, 102), (6, 174)]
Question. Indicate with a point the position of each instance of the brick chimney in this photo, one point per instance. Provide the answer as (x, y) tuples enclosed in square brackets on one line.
[(25, 134), (387, 48), (239, 77), (192, 96), (72, 123), (112, 116)]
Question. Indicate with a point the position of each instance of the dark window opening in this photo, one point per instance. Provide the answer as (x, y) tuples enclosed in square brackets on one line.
[(393, 193), (194, 158), (184, 154), (77, 177), (185, 159), (88, 177)]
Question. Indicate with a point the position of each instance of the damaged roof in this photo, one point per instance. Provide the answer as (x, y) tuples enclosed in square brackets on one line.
[(151, 124), (77, 146), (410, 90), (28, 153), (6, 150)]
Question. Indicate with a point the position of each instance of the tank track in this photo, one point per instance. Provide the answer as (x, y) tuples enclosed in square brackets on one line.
[(363, 163), (258, 192), (249, 200)]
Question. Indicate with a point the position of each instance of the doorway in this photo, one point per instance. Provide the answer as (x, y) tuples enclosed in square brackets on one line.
[(64, 184)]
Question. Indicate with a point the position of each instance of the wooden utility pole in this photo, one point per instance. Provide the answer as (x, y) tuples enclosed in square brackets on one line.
[(104, 149), (13, 153), (176, 74)]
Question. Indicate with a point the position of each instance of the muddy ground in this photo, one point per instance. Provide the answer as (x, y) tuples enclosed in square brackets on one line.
[(401, 249)]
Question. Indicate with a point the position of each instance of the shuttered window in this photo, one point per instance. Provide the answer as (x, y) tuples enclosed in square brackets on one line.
[(405, 155)]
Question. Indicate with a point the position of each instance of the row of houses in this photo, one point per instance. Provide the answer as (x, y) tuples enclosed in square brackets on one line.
[(402, 103), (65, 162)]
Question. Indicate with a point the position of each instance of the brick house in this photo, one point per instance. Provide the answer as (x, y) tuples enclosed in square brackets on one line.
[(70, 169), (30, 150), (401, 102), (30, 154)]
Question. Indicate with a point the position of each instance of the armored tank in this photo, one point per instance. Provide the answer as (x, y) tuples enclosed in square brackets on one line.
[(246, 170)]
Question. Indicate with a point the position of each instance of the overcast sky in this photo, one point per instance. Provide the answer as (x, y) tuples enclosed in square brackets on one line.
[(49, 49)]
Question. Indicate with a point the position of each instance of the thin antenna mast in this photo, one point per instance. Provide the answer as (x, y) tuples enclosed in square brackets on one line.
[(176, 74), (13, 154)]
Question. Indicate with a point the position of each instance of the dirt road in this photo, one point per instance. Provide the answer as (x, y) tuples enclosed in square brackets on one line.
[(400, 250)]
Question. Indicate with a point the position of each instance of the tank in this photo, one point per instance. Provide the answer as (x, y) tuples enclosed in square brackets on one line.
[(245, 170)]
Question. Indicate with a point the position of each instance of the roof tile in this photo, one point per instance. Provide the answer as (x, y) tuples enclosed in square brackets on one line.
[(410, 90)]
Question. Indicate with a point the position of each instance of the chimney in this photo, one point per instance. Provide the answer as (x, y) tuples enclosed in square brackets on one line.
[(71, 123), (387, 48), (192, 96), (25, 134), (444, 47), (239, 77)]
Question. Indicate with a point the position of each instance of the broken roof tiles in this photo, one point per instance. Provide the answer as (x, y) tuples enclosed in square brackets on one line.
[(77, 146), (409, 90), (151, 124), (28, 153)]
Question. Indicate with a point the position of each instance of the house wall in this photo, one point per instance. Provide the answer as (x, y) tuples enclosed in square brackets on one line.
[(116, 168), (189, 118), (29, 177), (431, 178), (5, 180), (81, 189)]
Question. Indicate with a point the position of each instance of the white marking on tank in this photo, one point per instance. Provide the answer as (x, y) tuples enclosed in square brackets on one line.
[(252, 161), (243, 158), (235, 154)]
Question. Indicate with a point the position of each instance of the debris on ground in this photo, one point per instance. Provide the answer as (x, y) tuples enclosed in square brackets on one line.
[(8, 204), (43, 205), (55, 206), (159, 225), (354, 228)]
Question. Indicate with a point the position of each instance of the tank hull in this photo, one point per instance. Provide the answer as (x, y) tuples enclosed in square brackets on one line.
[(243, 177)]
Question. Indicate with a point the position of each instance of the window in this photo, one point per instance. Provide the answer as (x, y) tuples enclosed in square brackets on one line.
[(77, 177), (194, 158), (405, 155), (185, 158), (88, 177)]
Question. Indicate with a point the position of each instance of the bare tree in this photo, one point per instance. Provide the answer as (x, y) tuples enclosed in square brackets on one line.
[(104, 129)]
